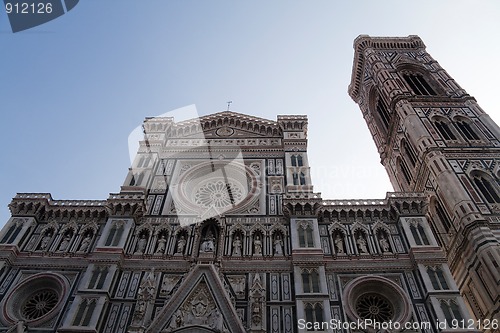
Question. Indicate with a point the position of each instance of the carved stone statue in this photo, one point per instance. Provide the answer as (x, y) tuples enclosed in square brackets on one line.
[(141, 244), (237, 246), (160, 248), (85, 244), (181, 243), (278, 246), (361, 244), (45, 241), (208, 243), (257, 245), (384, 244), (339, 244), (64, 244)]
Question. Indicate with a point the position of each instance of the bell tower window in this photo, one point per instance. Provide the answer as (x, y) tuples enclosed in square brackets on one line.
[(383, 113), (466, 130), (444, 130), (418, 84), (486, 188)]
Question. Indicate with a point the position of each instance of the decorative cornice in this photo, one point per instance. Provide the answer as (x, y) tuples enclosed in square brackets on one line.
[(364, 42)]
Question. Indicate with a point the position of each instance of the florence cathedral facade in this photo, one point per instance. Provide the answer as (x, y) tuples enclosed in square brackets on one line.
[(217, 227)]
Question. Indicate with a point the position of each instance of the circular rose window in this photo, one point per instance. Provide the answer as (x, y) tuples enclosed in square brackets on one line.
[(376, 298), (36, 299), (375, 307), (215, 185), (39, 304)]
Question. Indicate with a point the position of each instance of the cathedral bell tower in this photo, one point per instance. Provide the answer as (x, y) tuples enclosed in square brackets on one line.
[(433, 137)]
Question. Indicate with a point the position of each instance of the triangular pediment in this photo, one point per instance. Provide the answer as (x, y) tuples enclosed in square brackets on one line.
[(227, 124), (200, 304)]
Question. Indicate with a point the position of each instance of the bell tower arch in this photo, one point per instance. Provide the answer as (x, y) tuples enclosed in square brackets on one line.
[(433, 137)]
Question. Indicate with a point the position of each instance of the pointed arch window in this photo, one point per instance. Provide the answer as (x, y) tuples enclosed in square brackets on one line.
[(314, 313), (302, 178), (295, 178), (418, 84), (12, 233), (444, 130), (297, 160), (383, 113), (437, 278), (114, 235), (404, 170), (408, 151), (441, 214), (466, 130), (451, 311), (98, 278), (418, 234), (84, 313), (487, 189), (305, 236), (310, 281)]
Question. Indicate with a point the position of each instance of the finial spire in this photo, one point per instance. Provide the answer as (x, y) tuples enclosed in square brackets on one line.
[(228, 104)]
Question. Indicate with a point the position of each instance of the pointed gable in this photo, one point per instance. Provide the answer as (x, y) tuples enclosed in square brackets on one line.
[(200, 303)]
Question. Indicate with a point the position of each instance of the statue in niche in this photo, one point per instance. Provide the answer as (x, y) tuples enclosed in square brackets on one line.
[(64, 244), (85, 244), (237, 246), (339, 244), (208, 242), (181, 243), (160, 248), (141, 244), (384, 243), (45, 240), (278, 246), (257, 245), (361, 244)]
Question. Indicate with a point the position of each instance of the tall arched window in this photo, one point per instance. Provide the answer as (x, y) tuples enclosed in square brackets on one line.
[(444, 130), (297, 160), (85, 311), (305, 236), (383, 113), (418, 84), (295, 177), (486, 187), (451, 311), (443, 217), (98, 277), (466, 129), (404, 170), (314, 313), (302, 178), (408, 151), (418, 234), (310, 281), (12, 233), (437, 278)]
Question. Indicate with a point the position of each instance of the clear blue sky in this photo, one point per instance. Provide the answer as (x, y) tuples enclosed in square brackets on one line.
[(73, 89)]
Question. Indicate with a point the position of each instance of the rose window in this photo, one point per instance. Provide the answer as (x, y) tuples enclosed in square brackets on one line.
[(218, 194), (39, 304), (374, 307), (376, 298), (36, 299)]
